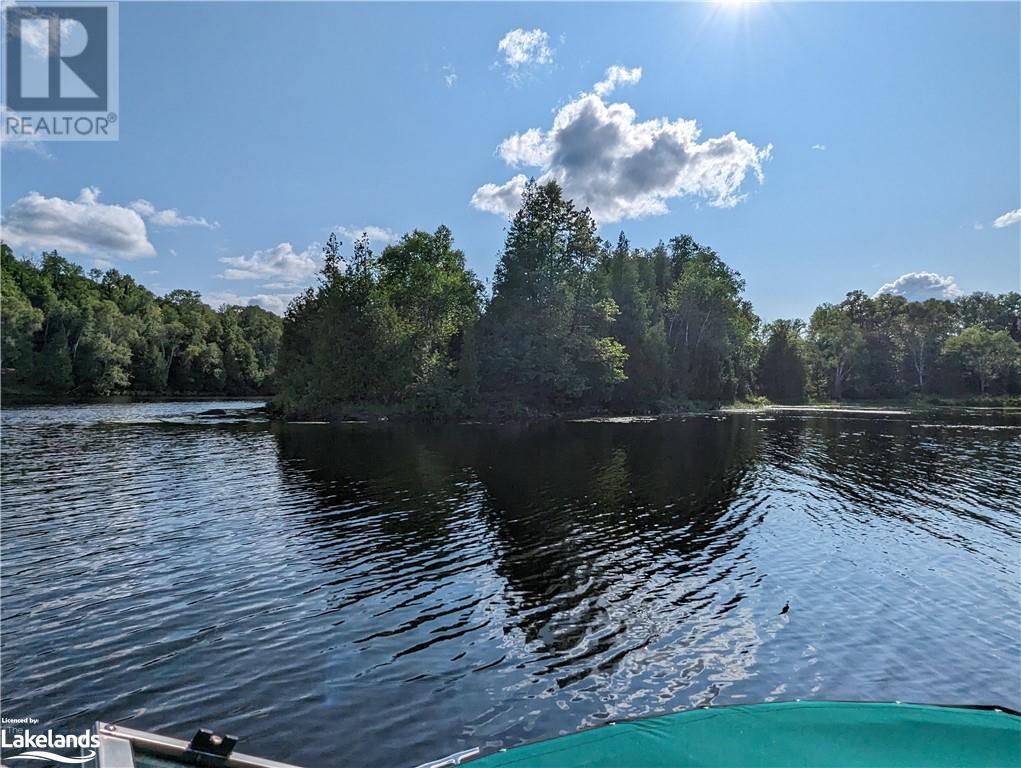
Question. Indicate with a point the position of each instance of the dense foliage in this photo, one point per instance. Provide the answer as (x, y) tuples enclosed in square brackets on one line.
[(782, 371), (574, 323), (888, 347), (387, 330), (546, 339), (70, 333)]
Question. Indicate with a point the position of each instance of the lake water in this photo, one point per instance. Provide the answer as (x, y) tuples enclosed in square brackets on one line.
[(380, 595)]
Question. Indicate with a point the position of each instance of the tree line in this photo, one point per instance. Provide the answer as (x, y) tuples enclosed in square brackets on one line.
[(68, 333), (889, 348), (575, 323)]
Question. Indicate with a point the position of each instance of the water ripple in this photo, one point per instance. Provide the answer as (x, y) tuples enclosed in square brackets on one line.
[(425, 590)]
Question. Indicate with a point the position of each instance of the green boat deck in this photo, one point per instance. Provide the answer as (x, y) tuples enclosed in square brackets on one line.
[(790, 734)]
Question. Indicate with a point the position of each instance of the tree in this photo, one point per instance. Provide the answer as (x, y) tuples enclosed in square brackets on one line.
[(923, 328), (385, 329), (628, 277), (996, 313), (262, 331), (837, 342), (102, 333), (241, 370), (574, 322), (708, 325), (53, 370), (102, 363), (984, 353), (20, 322), (546, 337), (782, 374), (424, 279)]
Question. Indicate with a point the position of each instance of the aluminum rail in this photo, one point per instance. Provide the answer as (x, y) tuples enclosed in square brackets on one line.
[(117, 745)]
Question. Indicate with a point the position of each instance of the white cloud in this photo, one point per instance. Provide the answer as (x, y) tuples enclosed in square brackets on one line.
[(978, 225), (102, 264), (374, 233), (271, 302), (819, 147), (615, 76), (24, 145), (501, 199), (528, 148), (35, 37), (20, 144), (919, 286), (168, 217), (449, 75), (1010, 217), (276, 303), (524, 50), (521, 48), (84, 225), (623, 168), (282, 270), (280, 263)]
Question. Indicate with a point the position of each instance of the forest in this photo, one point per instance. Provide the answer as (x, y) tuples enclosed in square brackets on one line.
[(66, 333), (576, 324), (573, 324)]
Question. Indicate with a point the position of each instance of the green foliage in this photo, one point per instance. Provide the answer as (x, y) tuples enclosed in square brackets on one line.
[(838, 343), (20, 322), (389, 330), (782, 374), (68, 333), (546, 338), (920, 330), (574, 323), (710, 327), (629, 277), (986, 354), (53, 369), (887, 347)]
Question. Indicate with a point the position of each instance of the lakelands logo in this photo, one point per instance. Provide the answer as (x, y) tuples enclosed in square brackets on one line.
[(40, 746), (61, 80)]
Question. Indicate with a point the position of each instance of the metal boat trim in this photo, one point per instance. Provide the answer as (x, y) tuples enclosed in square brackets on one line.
[(112, 739)]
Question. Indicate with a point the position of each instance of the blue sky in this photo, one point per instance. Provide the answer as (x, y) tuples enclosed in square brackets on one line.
[(886, 136)]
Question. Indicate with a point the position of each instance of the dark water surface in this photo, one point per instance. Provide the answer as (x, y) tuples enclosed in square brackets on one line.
[(383, 595)]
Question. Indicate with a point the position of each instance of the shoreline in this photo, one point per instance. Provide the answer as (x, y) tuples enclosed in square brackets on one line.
[(377, 414), (14, 398)]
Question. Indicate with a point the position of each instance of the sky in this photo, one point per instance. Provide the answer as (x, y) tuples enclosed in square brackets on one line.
[(817, 147)]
